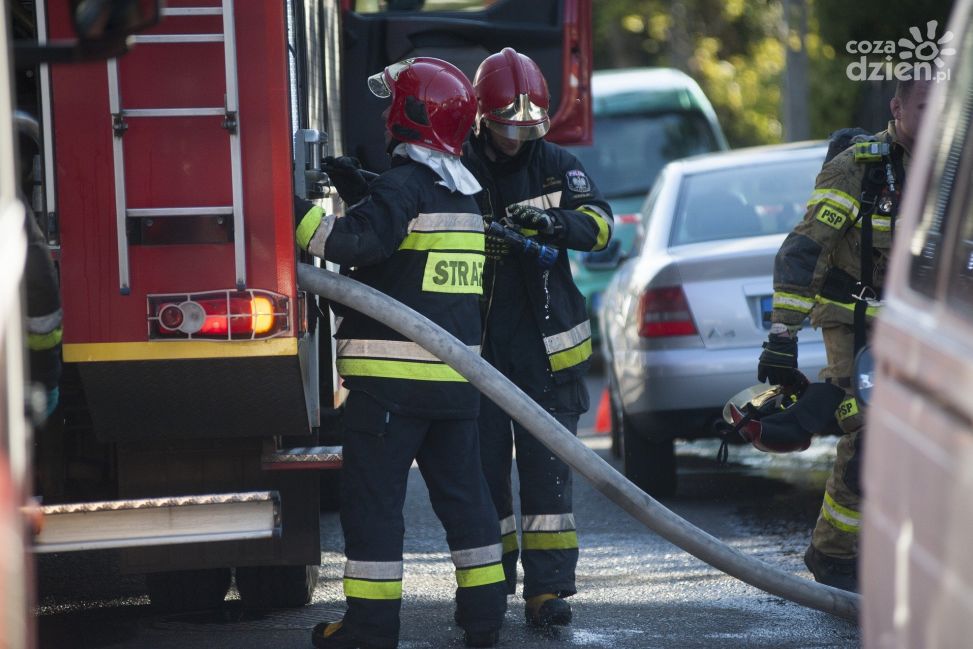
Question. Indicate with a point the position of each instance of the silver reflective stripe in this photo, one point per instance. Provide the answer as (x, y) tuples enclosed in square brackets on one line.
[(397, 349), (320, 238), (547, 522), (878, 223), (793, 302), (543, 202), (373, 569), (508, 525), (477, 556), (600, 212), (446, 221), (44, 324), (568, 339)]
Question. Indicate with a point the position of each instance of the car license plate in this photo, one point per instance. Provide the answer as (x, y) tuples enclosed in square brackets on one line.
[(766, 308)]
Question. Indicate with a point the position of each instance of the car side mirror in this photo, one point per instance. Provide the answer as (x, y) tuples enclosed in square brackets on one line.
[(607, 258), (863, 378)]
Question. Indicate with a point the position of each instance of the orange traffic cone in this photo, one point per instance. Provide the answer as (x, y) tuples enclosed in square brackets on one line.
[(603, 420)]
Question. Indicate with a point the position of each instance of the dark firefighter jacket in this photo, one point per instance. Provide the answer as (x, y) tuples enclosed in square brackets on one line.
[(546, 176), (43, 309), (827, 244), (422, 245)]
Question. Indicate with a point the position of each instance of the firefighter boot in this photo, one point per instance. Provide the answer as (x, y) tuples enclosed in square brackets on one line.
[(547, 610), (477, 638), (333, 635), (831, 571)]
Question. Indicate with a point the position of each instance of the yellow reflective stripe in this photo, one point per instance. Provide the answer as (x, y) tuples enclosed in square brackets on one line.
[(309, 223), (571, 357), (472, 241), (364, 589), (472, 577), (870, 311), (845, 202), (604, 230), (387, 369), (843, 518), (40, 342), (453, 272), (879, 223), (177, 349), (509, 542), (793, 302), (847, 408), (551, 540)]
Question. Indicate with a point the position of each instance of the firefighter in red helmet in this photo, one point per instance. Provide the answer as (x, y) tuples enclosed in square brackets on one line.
[(405, 404), (536, 329)]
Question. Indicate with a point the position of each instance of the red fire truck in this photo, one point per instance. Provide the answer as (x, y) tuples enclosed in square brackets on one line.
[(197, 373)]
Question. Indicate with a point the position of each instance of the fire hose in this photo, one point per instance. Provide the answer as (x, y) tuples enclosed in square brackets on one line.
[(571, 450)]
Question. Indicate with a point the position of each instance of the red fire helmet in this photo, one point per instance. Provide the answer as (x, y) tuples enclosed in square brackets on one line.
[(511, 96), (432, 103)]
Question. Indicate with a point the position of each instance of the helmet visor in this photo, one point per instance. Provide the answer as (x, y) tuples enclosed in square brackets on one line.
[(522, 119), (380, 84), (519, 132)]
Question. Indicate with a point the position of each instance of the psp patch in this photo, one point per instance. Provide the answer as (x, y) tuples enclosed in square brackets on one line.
[(577, 181)]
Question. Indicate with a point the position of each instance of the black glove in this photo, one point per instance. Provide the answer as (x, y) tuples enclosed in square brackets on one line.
[(346, 176), (534, 218), (778, 361)]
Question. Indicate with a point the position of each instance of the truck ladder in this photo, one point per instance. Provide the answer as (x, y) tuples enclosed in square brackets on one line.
[(231, 122)]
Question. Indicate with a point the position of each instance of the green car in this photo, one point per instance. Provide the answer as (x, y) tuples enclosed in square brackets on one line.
[(644, 118)]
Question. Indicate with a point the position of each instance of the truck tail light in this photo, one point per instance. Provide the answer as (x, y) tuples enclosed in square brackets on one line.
[(665, 312), (218, 315)]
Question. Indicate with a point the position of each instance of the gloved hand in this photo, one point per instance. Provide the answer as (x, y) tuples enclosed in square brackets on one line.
[(778, 361), (534, 218), (346, 176)]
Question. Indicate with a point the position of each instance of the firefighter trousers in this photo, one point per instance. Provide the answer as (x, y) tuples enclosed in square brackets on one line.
[(379, 448), (839, 521), (550, 542)]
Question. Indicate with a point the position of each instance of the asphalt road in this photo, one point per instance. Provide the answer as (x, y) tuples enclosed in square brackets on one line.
[(636, 591)]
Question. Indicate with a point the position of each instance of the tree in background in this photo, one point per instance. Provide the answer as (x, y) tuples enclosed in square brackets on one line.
[(774, 69)]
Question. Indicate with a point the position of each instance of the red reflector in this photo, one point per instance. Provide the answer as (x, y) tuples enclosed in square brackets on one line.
[(665, 312), (216, 320), (628, 218)]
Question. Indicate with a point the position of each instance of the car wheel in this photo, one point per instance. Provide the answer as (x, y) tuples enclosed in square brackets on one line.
[(188, 590), (266, 587), (650, 464)]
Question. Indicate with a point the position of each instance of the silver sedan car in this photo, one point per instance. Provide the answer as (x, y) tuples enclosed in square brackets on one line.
[(684, 321)]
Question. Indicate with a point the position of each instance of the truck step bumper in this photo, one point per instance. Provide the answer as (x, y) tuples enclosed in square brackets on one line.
[(304, 458), (159, 521)]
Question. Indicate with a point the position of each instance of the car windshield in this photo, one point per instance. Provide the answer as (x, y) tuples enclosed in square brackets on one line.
[(743, 201), (630, 150)]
